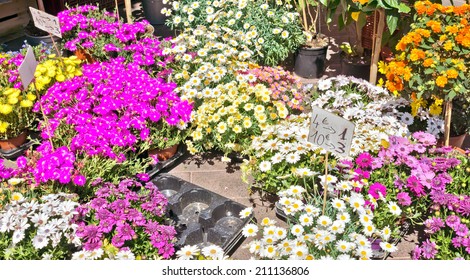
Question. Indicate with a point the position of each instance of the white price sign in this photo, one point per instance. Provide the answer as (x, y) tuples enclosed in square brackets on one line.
[(46, 22), (27, 68), (331, 132)]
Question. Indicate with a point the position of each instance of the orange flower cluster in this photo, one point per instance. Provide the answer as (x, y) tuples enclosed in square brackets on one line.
[(435, 54)]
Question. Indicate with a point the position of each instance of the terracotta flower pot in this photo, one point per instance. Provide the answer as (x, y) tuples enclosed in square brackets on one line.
[(83, 55), (13, 143), (164, 154)]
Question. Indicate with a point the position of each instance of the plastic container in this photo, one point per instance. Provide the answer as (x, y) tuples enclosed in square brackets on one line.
[(201, 217)]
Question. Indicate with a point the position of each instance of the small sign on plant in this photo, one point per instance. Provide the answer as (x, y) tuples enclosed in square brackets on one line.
[(46, 22), (331, 132), (27, 68)]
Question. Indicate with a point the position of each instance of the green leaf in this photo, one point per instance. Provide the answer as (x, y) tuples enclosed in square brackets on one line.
[(403, 8), (392, 22), (391, 3), (429, 71)]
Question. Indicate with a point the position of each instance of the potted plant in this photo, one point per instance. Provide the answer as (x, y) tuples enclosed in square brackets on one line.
[(355, 61), (310, 58)]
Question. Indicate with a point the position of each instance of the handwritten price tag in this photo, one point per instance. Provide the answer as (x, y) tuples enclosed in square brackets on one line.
[(46, 22), (27, 68), (330, 131)]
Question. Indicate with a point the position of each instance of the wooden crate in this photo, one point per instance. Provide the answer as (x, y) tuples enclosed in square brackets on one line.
[(13, 17)]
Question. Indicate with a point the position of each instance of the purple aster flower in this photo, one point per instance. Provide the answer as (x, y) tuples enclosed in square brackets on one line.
[(377, 190), (364, 160), (415, 186), (433, 225), (424, 138), (416, 253), (461, 230), (404, 199), (125, 231), (453, 221), (117, 241), (429, 249), (457, 242)]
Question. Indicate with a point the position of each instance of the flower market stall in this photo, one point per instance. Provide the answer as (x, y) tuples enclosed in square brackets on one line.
[(88, 179)]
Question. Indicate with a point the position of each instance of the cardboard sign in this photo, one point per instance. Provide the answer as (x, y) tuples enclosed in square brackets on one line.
[(330, 132), (46, 22), (27, 68)]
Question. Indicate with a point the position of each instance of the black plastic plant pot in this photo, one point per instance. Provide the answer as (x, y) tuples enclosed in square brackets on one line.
[(168, 186), (152, 11), (356, 67), (166, 165), (310, 62)]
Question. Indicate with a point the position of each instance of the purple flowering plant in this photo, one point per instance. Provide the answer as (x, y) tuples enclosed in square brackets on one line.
[(403, 179), (100, 125), (447, 227), (102, 35), (128, 216)]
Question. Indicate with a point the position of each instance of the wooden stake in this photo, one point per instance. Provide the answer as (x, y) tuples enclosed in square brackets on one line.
[(128, 10), (325, 188), (48, 127), (447, 118), (376, 47), (41, 6), (55, 45)]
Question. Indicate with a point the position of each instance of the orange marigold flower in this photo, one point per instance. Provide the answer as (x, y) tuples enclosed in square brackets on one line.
[(417, 54), (423, 32), (428, 62), (464, 21), (452, 73), (441, 81), (434, 25), (420, 7)]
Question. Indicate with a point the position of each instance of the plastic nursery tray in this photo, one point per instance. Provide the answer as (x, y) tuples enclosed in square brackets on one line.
[(201, 217), (167, 164)]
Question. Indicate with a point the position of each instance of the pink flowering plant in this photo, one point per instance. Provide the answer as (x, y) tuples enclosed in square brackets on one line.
[(446, 228), (128, 216)]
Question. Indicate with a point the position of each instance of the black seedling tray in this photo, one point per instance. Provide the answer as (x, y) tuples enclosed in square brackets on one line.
[(201, 217), (15, 153), (166, 165)]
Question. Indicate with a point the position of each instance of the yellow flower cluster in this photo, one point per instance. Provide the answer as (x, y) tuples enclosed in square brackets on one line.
[(56, 69), (229, 121), (435, 51)]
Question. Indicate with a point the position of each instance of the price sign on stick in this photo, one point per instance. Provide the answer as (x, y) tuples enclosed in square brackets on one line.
[(46, 22), (331, 132), (27, 68)]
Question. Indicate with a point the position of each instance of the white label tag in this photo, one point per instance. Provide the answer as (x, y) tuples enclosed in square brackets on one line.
[(46, 22), (27, 68), (331, 132)]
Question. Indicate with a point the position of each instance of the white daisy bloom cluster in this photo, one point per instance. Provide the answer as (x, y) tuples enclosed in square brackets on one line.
[(209, 252), (282, 149), (401, 109), (100, 254), (364, 104), (344, 231), (44, 222), (235, 18)]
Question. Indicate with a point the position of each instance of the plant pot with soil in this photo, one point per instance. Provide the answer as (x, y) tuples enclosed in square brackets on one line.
[(354, 64), (34, 36)]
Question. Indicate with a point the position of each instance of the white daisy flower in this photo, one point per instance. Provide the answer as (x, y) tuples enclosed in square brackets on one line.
[(213, 251), (388, 247), (394, 208), (299, 253), (269, 231), (324, 221), (306, 220), (365, 219), (324, 84), (268, 252), (304, 172), (265, 166), (254, 246), (312, 210), (292, 158), (337, 227), (277, 158), (18, 235), (267, 222), (344, 217), (95, 254), (385, 233), (80, 255), (280, 233), (339, 204), (407, 118), (125, 255), (188, 252), (250, 230), (330, 179), (245, 213), (364, 252), (369, 229), (297, 230), (40, 241)]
